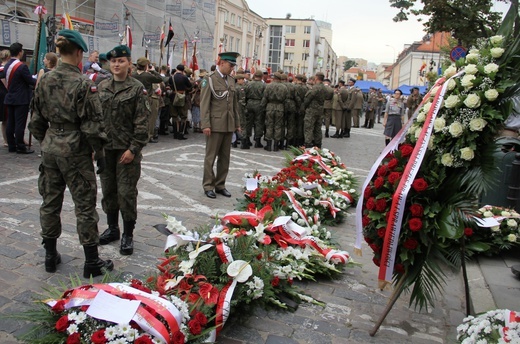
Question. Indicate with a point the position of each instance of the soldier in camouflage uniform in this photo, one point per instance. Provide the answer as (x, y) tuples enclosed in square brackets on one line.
[(240, 88), (299, 94), (67, 121), (327, 105), (255, 112), (290, 113), (275, 95), (126, 112), (371, 108), (313, 102)]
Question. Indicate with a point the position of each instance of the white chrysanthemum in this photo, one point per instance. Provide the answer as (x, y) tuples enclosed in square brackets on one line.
[(477, 124), (491, 94), (452, 101), (456, 129), (472, 101), (439, 124), (447, 159), (471, 69), (450, 71), (497, 52), (467, 81), (467, 153), (72, 328)]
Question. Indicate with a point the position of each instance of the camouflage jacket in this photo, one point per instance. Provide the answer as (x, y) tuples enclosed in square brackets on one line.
[(301, 91), (290, 104), (275, 95), (66, 98), (241, 94), (148, 79), (125, 112), (255, 91), (315, 97)]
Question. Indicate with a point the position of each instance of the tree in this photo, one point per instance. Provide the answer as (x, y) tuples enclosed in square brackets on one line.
[(349, 64), (467, 20)]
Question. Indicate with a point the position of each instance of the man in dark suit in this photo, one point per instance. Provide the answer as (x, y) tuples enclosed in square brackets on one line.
[(219, 119), (19, 92)]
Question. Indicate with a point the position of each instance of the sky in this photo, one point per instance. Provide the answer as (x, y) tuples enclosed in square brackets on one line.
[(360, 29)]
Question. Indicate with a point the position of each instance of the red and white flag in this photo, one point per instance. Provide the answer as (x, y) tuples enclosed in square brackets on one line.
[(194, 64), (127, 38), (40, 10)]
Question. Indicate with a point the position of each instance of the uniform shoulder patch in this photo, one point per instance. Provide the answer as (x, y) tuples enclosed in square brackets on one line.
[(93, 89), (204, 83)]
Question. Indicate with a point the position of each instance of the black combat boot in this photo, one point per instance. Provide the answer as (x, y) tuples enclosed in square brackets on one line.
[(52, 257), (234, 144), (366, 123), (370, 124), (94, 266), (258, 143), (268, 144), (112, 232), (276, 146), (326, 132), (244, 144), (180, 133), (187, 125), (387, 141), (127, 241), (346, 133), (155, 136), (318, 145), (309, 145)]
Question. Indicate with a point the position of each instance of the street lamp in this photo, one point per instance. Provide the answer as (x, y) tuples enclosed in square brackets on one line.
[(393, 50)]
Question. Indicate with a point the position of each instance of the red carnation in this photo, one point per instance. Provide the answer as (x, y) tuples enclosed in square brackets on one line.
[(406, 150), (393, 163), (201, 318), (195, 327), (381, 232), (144, 339), (419, 185), (365, 221), (367, 192), (371, 203), (379, 182), (468, 231), (410, 244), (382, 171), (415, 224), (62, 323), (394, 177), (276, 281), (98, 337), (381, 205), (74, 338), (58, 307), (416, 210), (178, 338)]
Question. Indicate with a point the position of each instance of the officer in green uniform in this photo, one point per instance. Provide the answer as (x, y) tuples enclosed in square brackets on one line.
[(313, 102), (219, 119), (126, 112), (67, 120), (255, 112), (273, 102)]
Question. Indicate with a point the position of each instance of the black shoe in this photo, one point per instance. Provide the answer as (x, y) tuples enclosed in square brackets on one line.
[(210, 194), (258, 144), (52, 257), (94, 266), (327, 133), (110, 234), (223, 192), (24, 151), (234, 144), (127, 245), (153, 140)]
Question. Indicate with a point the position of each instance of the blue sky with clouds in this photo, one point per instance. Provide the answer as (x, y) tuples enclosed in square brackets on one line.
[(361, 28)]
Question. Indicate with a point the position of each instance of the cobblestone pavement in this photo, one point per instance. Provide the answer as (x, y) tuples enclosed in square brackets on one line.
[(171, 184)]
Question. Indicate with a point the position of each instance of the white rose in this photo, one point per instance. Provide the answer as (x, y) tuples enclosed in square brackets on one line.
[(411, 130), (472, 57), (418, 133), (496, 40), (490, 68), (467, 81), (477, 124), (471, 69), (451, 101), (427, 107), (472, 101), (474, 51), (421, 117), (488, 214), (467, 153), (496, 52), (505, 213), (512, 223), (456, 129), (439, 124), (491, 94), (447, 159), (511, 238), (495, 228), (434, 90), (451, 84), (448, 73), (430, 142)]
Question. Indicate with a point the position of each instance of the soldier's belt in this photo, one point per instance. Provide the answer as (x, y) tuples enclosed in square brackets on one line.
[(65, 126)]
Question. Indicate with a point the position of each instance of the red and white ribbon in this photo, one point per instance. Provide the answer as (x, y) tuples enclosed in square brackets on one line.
[(346, 196), (297, 206), (318, 159)]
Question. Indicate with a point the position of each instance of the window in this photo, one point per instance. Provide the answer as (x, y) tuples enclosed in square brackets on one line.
[(249, 26), (231, 41), (225, 42), (239, 21), (305, 56), (289, 42), (248, 49), (226, 17), (288, 56), (306, 43), (306, 29), (239, 48), (290, 29), (232, 19)]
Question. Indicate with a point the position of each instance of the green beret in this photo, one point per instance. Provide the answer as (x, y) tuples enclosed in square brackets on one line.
[(103, 57), (229, 56), (119, 51), (74, 37)]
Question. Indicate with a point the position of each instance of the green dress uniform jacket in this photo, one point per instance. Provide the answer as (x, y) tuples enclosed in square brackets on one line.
[(219, 106)]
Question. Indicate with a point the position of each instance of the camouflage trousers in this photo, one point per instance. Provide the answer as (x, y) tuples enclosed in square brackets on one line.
[(327, 114), (78, 174), (274, 124), (256, 118), (119, 185), (312, 122), (299, 125), (245, 123), (290, 120), (154, 113)]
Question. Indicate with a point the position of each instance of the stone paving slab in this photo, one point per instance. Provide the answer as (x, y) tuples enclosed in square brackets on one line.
[(171, 184)]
